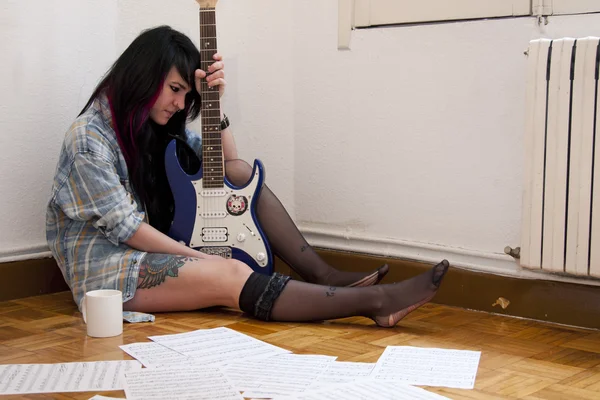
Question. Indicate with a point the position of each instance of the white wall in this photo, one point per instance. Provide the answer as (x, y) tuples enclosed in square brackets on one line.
[(53, 54), (409, 144)]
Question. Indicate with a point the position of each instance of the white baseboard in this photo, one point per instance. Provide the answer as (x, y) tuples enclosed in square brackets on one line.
[(334, 239), (494, 263), (25, 253)]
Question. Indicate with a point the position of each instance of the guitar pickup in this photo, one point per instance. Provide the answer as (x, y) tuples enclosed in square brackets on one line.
[(224, 252), (214, 234), (213, 193), (213, 214)]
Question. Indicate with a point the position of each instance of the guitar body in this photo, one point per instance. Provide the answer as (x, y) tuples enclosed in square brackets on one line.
[(218, 220)]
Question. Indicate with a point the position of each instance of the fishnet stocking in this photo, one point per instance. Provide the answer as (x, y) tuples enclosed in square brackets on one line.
[(288, 243)]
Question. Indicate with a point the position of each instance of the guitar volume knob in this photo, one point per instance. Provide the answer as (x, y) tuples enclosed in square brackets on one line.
[(241, 237), (261, 256)]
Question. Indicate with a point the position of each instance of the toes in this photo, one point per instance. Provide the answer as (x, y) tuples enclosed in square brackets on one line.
[(439, 272), (384, 269), (382, 272)]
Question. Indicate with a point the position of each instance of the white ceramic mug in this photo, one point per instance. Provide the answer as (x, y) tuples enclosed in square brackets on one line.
[(103, 313)]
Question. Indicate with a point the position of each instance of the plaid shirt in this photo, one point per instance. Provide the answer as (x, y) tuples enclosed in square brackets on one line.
[(93, 209)]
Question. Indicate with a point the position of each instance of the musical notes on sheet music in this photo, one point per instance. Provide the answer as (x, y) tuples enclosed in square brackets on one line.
[(219, 346), (428, 366), (340, 372), (153, 355), (183, 383), (367, 389), (279, 375), (64, 377)]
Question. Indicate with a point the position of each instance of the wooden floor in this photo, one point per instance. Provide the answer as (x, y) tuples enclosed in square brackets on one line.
[(521, 359)]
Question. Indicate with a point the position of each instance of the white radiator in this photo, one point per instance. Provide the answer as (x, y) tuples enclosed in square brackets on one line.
[(561, 198)]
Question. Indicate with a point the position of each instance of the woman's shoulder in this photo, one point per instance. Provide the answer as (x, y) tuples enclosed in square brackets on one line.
[(92, 132)]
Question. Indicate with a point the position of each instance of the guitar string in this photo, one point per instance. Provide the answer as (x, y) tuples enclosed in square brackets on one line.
[(205, 159), (211, 202), (205, 135), (204, 35)]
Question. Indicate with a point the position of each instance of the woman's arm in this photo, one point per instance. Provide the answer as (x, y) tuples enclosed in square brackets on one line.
[(229, 148), (94, 192), (150, 240)]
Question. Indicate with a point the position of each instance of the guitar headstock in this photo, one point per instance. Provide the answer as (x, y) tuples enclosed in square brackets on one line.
[(207, 3)]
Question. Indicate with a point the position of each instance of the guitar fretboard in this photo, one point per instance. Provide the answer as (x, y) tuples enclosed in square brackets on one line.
[(212, 149)]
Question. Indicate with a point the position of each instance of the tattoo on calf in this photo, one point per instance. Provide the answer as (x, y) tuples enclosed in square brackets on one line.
[(331, 292), (155, 268)]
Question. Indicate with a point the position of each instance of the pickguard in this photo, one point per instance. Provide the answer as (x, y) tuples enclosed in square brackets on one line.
[(218, 221), (217, 225)]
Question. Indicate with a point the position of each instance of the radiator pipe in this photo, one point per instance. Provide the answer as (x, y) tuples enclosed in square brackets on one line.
[(515, 253)]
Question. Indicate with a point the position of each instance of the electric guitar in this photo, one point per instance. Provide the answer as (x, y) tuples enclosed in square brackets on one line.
[(211, 214)]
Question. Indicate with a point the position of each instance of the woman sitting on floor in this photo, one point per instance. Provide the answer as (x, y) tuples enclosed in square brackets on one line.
[(111, 207)]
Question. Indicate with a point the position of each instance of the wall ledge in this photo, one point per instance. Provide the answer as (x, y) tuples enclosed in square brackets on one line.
[(544, 300), (471, 260), (25, 253)]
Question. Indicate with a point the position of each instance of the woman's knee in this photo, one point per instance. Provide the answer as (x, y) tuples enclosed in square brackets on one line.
[(237, 268), (238, 171), (229, 274), (201, 283), (231, 277)]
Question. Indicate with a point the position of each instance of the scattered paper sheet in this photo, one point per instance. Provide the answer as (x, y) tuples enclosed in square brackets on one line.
[(342, 371), (64, 377), (153, 354), (191, 382), (279, 375), (219, 346), (367, 389), (428, 366)]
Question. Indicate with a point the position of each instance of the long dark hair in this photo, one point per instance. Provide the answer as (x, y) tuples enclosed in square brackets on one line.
[(132, 86)]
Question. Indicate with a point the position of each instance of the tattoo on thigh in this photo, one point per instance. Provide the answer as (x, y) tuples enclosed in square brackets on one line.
[(331, 292), (304, 248), (155, 268)]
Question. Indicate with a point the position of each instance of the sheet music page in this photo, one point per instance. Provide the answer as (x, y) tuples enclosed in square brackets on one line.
[(193, 383), (152, 354), (367, 389), (342, 371), (64, 377), (284, 374), (428, 366), (218, 346)]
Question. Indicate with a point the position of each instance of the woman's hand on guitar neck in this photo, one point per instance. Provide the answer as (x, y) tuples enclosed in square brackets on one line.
[(215, 76)]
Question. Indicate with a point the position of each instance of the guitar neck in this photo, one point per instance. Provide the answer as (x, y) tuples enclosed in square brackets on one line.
[(212, 149)]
